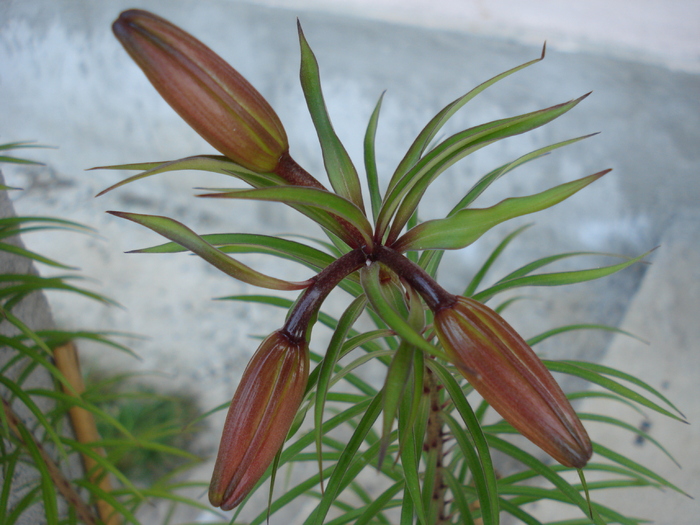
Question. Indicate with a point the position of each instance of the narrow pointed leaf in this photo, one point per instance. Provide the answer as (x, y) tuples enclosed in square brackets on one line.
[(479, 275), (379, 504), (395, 385), (15, 160), (496, 174), (631, 428), (371, 161), (213, 163), (429, 132), (181, 234), (633, 465), (23, 252), (569, 328), (348, 455), (328, 365), (340, 169), (410, 460), (250, 243), (414, 183), (316, 198), (466, 226), (546, 261), (556, 278), (569, 491), (596, 373)]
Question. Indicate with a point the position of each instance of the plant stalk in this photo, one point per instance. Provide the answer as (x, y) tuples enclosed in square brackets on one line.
[(310, 301)]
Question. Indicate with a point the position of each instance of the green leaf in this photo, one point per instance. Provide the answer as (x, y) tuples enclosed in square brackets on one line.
[(22, 252), (410, 460), (429, 132), (460, 503), (30, 283), (633, 465), (380, 503), (371, 161), (181, 234), (596, 373), (616, 422), (328, 365), (349, 453), (313, 197), (569, 328), (221, 164), (480, 463), (369, 278), (340, 169), (22, 144), (48, 485), (10, 222), (466, 226), (556, 278), (213, 163), (406, 509), (27, 401), (496, 174), (15, 160), (394, 387), (479, 275), (252, 243), (417, 180), (545, 261), (567, 490)]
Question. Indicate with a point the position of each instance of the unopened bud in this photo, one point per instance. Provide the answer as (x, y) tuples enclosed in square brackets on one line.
[(259, 418), (502, 367), (211, 96)]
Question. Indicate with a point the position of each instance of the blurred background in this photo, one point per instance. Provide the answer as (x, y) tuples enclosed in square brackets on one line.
[(66, 82)]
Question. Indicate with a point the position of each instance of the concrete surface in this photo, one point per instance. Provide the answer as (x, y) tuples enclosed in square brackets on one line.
[(650, 31), (65, 81), (663, 312)]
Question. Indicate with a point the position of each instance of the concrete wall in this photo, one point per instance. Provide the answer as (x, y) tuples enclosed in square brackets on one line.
[(65, 82)]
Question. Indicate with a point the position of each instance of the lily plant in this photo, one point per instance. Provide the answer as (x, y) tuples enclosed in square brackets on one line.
[(430, 444)]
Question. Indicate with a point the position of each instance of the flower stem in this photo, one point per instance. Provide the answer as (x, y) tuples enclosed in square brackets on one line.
[(435, 296), (310, 301), (295, 175), (289, 170)]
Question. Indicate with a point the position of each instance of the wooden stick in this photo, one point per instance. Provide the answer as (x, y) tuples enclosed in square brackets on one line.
[(66, 359)]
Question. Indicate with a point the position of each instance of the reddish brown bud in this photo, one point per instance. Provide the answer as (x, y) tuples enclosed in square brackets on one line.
[(501, 366), (212, 97), (259, 418)]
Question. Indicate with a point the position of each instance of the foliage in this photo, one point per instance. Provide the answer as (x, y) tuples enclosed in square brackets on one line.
[(48, 423)]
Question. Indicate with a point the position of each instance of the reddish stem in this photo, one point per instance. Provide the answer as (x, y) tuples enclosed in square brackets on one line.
[(435, 296), (314, 295)]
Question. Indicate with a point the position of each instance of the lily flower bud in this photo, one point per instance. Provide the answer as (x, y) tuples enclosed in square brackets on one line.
[(211, 96), (501, 366), (259, 418)]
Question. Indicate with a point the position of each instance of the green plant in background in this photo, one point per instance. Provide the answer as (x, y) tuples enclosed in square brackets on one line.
[(423, 432), (148, 415), (48, 424)]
